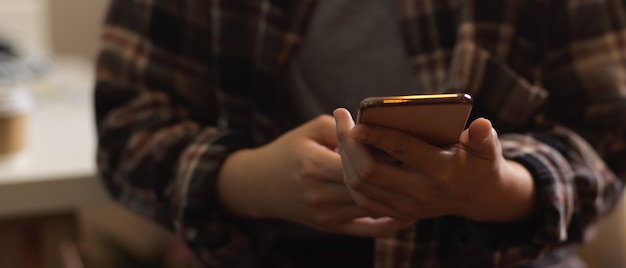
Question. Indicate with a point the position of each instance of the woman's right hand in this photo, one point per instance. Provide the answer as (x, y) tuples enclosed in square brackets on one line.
[(299, 178)]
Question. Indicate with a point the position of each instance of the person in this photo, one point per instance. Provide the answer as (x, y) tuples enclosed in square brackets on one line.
[(213, 120)]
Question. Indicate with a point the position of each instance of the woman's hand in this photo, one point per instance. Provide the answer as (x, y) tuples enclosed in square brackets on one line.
[(470, 179), (299, 178)]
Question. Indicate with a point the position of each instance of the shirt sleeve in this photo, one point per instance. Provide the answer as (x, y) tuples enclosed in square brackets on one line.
[(575, 151), (164, 127)]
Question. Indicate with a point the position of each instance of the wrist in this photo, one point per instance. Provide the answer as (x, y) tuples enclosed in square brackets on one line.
[(511, 196), (236, 187), (516, 200)]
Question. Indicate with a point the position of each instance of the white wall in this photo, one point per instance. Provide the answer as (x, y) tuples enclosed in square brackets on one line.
[(75, 26), (25, 22), (57, 27)]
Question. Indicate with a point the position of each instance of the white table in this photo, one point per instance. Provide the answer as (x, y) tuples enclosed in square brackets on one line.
[(56, 171), (43, 188)]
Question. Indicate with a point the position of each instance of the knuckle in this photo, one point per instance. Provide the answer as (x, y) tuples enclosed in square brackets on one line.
[(429, 200), (368, 171), (314, 199), (400, 148), (343, 136), (366, 204), (443, 184), (323, 120), (310, 168), (355, 183)]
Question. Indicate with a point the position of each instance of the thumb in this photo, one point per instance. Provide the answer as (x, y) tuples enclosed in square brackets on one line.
[(344, 122), (481, 139)]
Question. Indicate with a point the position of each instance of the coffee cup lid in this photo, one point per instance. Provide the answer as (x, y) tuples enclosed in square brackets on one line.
[(15, 100)]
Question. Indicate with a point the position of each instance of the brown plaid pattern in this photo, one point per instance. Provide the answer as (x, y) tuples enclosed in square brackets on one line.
[(182, 83)]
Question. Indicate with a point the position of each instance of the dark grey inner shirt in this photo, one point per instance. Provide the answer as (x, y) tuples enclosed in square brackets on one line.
[(353, 50)]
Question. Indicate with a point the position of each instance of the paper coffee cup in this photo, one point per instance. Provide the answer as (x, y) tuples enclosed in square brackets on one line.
[(16, 105)]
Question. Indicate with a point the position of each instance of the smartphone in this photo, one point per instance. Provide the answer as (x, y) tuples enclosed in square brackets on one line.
[(437, 119)]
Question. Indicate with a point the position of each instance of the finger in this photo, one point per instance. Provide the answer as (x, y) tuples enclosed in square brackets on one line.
[(363, 200), (351, 151), (361, 166), (343, 214), (330, 166), (323, 131), (399, 145), (386, 193), (373, 227), (365, 174), (401, 197), (391, 203), (373, 184), (481, 139), (331, 194), (343, 123), (372, 205)]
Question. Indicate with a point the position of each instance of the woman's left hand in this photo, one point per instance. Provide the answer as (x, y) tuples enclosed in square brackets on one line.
[(471, 179)]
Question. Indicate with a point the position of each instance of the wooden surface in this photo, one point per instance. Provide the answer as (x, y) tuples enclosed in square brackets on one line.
[(35, 242)]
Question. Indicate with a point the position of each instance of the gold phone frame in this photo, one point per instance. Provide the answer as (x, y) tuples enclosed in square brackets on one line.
[(437, 119)]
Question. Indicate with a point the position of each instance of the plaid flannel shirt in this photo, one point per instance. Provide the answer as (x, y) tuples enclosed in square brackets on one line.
[(182, 83)]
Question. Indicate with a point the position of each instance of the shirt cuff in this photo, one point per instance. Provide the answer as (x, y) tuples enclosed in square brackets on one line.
[(553, 221)]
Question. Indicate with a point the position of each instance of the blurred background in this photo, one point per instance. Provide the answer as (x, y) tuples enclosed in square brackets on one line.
[(53, 211)]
